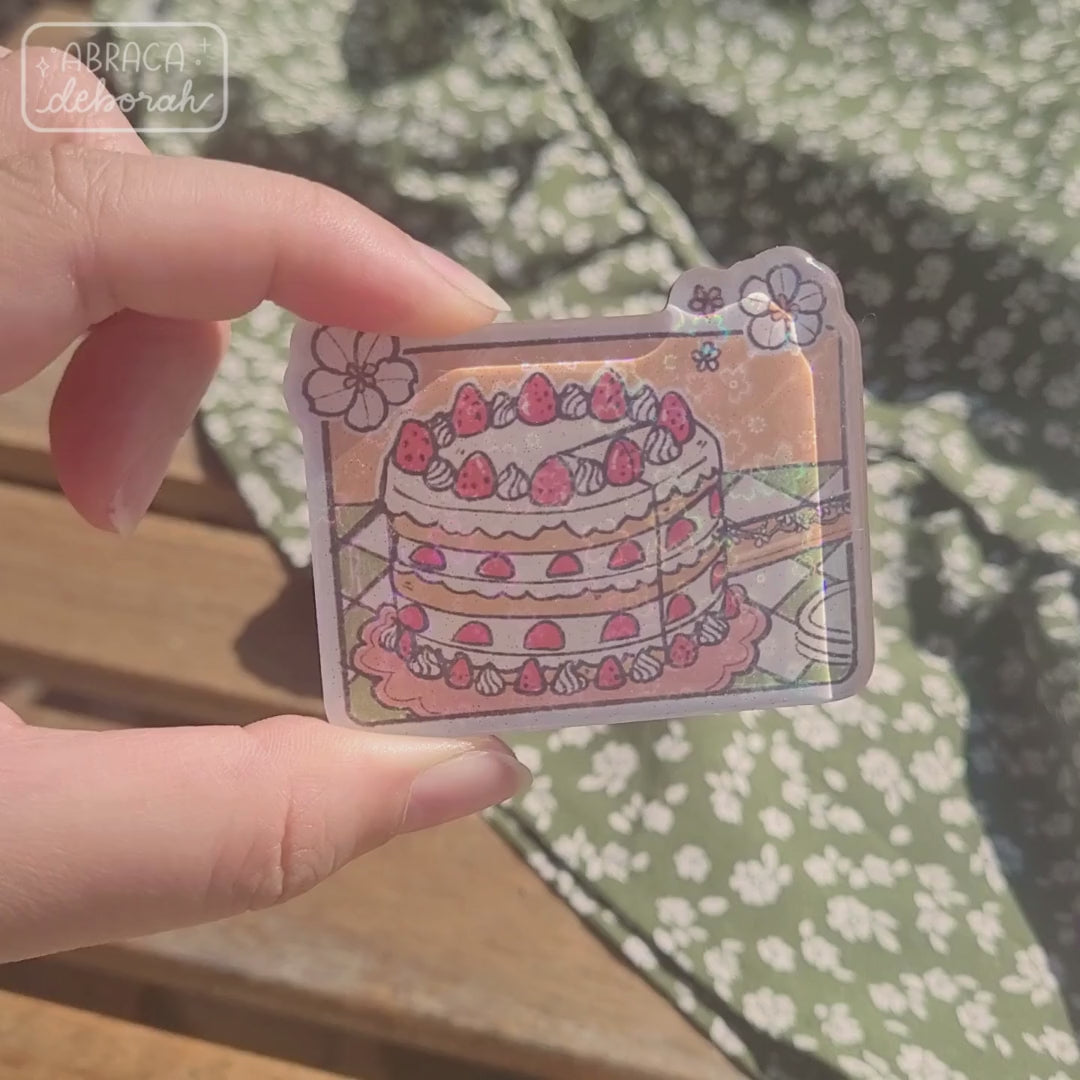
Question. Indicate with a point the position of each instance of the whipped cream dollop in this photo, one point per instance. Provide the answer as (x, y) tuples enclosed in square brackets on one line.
[(645, 667), (573, 402), (503, 409), (425, 663), (712, 629), (388, 637), (645, 406), (569, 679), (489, 682), (588, 475), (439, 475), (442, 430), (512, 483), (660, 447)]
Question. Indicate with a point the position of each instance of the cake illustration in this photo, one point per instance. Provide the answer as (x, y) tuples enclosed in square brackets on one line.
[(547, 540), (592, 520)]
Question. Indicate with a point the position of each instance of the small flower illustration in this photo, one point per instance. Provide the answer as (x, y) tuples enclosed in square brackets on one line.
[(783, 308), (706, 357), (705, 301), (357, 388)]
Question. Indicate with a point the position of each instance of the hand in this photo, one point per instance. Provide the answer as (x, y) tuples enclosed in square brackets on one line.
[(115, 834)]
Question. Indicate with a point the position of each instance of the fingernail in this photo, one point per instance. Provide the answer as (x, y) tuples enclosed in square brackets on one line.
[(466, 282), (461, 786)]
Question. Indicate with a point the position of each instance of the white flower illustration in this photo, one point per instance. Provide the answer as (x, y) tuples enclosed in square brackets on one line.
[(838, 1024), (350, 382), (784, 308)]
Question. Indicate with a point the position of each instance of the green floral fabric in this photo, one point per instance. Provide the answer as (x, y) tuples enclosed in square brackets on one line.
[(887, 887)]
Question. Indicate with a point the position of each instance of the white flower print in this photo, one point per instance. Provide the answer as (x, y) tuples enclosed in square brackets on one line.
[(777, 953), (691, 863), (776, 823), (612, 766), (576, 737), (638, 953), (348, 381), (1033, 977), (673, 746), (977, 1020), (773, 1013), (784, 308), (918, 1062), (1059, 1045), (882, 772), (821, 954), (985, 924), (838, 1024), (539, 801), (887, 998), (726, 1039), (759, 882), (723, 965), (855, 921), (956, 811), (658, 817), (824, 869), (812, 727), (726, 801)]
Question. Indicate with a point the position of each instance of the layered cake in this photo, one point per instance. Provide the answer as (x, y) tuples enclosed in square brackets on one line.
[(547, 539)]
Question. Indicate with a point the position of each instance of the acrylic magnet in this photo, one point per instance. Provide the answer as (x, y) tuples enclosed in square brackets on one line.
[(592, 520)]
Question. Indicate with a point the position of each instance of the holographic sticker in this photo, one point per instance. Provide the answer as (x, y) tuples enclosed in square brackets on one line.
[(592, 521)]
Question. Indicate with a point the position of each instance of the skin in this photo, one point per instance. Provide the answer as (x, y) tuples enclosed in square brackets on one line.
[(106, 835)]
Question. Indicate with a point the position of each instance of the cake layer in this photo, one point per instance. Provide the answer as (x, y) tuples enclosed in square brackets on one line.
[(591, 632), (413, 589), (559, 537), (625, 564)]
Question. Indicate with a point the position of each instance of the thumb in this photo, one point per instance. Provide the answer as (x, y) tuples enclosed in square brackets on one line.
[(105, 835)]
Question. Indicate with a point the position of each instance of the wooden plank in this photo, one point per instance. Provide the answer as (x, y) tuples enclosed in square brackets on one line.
[(197, 486), (201, 621), (43, 1041)]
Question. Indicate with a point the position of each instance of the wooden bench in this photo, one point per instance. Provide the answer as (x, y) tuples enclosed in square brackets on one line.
[(443, 942), (42, 1041)]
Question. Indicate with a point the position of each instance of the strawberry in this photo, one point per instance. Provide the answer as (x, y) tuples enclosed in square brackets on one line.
[(406, 644), (536, 402), (476, 478), (608, 400), (552, 484), (716, 503), (675, 415), (678, 532), (732, 604), (544, 635), (530, 679), (620, 627), (414, 617), (473, 633), (679, 607), (610, 674), (683, 651), (430, 558), (496, 566), (413, 449), (622, 463), (460, 674), (628, 553), (564, 565), (718, 573), (470, 414)]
